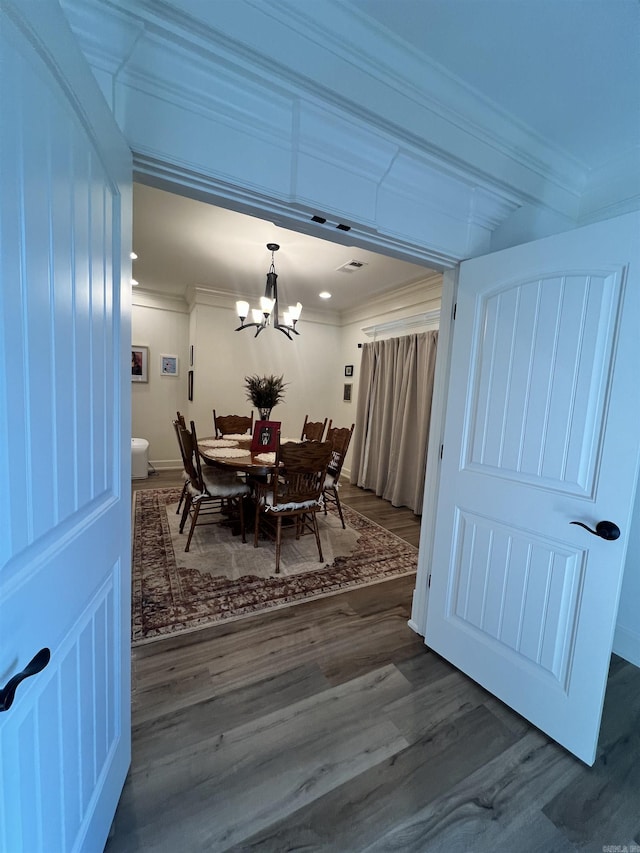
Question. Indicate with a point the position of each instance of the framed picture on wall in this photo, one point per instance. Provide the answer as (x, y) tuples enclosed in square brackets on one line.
[(169, 365), (346, 394), (348, 370), (139, 363), (190, 386)]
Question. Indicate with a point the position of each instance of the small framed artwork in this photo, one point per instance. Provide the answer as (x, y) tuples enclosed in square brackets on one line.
[(348, 370), (346, 394), (265, 436), (139, 364), (191, 355), (169, 365), (190, 385)]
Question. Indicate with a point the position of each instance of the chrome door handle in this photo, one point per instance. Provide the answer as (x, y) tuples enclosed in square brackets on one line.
[(604, 529), (35, 665)]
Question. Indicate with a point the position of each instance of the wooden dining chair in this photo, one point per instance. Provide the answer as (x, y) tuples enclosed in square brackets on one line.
[(232, 424), (312, 430), (215, 490), (180, 422), (340, 437), (293, 490)]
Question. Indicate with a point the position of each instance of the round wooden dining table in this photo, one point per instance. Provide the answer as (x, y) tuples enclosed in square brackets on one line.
[(225, 454)]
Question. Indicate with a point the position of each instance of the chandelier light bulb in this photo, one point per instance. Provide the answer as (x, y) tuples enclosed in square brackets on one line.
[(294, 311), (242, 309), (266, 305)]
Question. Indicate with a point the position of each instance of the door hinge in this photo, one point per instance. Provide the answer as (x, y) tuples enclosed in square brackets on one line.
[(455, 308), (441, 450), (429, 582)]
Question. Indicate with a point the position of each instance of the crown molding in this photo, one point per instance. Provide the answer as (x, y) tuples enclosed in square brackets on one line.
[(361, 41), (440, 122), (409, 297), (209, 296), (144, 298), (613, 190), (181, 178), (428, 319), (107, 34), (466, 134), (415, 298)]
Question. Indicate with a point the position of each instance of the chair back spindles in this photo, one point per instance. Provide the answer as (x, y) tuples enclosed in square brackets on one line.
[(213, 490), (191, 457), (340, 438), (232, 424), (304, 468), (312, 430), (294, 490), (178, 425)]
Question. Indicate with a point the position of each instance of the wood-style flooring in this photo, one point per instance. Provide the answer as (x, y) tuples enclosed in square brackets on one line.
[(330, 726)]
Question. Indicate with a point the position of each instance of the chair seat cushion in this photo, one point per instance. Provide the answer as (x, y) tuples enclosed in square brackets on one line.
[(220, 486), (267, 502)]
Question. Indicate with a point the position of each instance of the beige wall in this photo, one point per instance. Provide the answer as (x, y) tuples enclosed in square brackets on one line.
[(223, 357), (312, 364), (162, 325)]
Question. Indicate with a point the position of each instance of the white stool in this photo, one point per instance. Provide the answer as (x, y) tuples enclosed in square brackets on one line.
[(139, 458)]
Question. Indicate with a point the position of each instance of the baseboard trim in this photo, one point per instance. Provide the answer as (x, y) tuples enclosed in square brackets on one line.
[(626, 644), (414, 627), (165, 464)]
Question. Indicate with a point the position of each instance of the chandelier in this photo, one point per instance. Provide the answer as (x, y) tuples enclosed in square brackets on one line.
[(268, 310)]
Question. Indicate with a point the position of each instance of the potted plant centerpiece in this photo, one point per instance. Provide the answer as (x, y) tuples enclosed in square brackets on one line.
[(265, 392)]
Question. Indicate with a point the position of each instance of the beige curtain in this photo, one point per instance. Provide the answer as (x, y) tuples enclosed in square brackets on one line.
[(393, 414)]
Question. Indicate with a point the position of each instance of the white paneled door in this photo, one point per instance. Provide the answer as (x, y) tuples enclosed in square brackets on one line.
[(541, 430), (64, 440)]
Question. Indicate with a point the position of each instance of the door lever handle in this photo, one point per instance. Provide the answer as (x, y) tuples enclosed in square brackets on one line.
[(35, 665), (604, 529)]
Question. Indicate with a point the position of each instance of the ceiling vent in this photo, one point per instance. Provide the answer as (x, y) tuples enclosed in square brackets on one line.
[(352, 266)]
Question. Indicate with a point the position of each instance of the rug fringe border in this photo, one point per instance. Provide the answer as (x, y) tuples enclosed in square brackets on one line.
[(265, 612)]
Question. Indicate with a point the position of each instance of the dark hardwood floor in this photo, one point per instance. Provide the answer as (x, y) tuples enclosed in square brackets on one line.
[(330, 726)]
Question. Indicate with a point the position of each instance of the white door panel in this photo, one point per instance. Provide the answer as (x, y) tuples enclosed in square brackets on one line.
[(539, 432), (64, 440), (522, 402)]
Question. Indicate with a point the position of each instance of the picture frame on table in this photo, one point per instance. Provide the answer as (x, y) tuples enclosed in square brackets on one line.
[(348, 370), (265, 436), (346, 394), (139, 363), (169, 365)]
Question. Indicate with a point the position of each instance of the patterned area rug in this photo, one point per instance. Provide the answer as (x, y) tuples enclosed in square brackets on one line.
[(221, 578)]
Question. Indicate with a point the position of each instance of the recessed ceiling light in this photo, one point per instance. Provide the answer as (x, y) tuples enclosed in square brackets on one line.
[(324, 295), (134, 283), (133, 256)]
